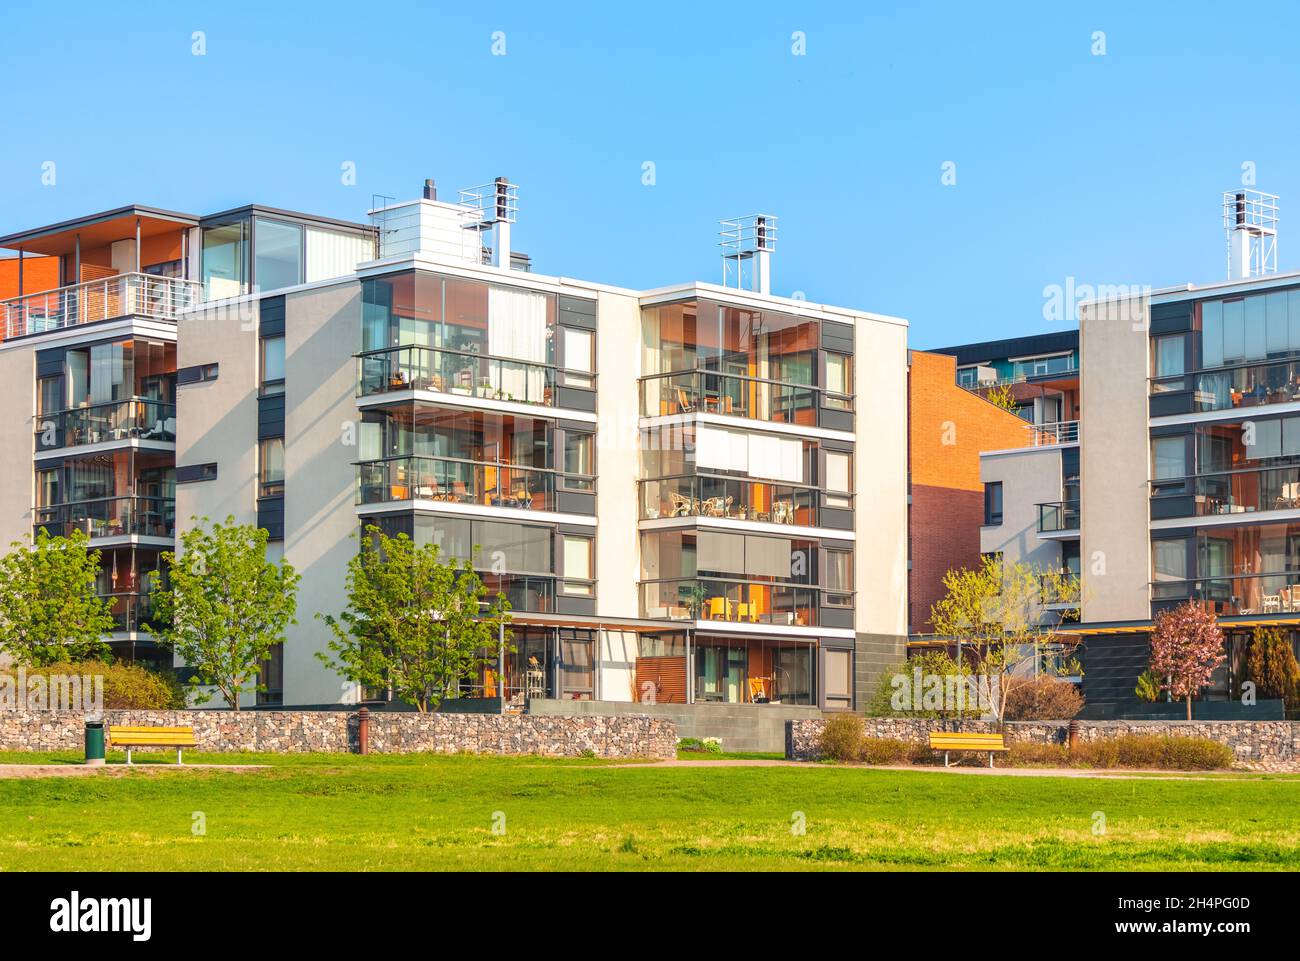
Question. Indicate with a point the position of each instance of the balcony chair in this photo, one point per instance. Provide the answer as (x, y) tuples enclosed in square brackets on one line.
[(718, 608), (758, 690), (681, 506), (684, 404), (717, 506)]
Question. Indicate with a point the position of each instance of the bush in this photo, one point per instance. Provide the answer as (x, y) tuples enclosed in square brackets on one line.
[(126, 686), (1036, 754), (1043, 699), (886, 750), (1272, 665), (708, 745), (1161, 752), (931, 662), (841, 738)]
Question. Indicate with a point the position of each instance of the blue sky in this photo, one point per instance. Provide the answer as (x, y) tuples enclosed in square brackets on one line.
[(1106, 168)]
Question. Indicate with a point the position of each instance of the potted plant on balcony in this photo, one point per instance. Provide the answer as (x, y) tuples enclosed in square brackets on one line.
[(694, 596)]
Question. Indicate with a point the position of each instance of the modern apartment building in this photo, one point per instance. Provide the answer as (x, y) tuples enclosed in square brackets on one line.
[(690, 495)]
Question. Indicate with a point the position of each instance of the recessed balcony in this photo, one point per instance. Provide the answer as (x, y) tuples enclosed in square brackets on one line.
[(109, 298), (450, 481), (730, 499), (736, 395), (737, 602), (111, 517), (121, 420), (463, 373), (1058, 518)]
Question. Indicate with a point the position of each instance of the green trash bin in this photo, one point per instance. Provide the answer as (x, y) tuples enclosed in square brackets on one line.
[(94, 742)]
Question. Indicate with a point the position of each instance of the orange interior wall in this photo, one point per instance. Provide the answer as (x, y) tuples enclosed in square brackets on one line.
[(39, 273)]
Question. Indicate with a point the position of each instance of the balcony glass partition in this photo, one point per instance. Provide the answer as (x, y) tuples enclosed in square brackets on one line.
[(730, 601), (455, 481), (135, 419), (1058, 516), (729, 497), (111, 517), (455, 372), (733, 395)]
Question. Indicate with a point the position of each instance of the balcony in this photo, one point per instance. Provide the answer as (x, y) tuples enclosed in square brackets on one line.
[(453, 481), (703, 496), (469, 374), (1058, 517), (736, 395), (1227, 493), (111, 517), (122, 295), (135, 419), (736, 602), (130, 612), (1056, 432), (1231, 594)]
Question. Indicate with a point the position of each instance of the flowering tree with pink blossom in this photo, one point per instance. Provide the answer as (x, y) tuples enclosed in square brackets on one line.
[(1186, 647)]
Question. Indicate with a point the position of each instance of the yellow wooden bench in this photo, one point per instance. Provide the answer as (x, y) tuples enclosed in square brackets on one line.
[(952, 741), (127, 737)]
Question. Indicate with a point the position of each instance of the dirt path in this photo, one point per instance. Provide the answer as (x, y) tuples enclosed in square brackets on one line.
[(111, 770)]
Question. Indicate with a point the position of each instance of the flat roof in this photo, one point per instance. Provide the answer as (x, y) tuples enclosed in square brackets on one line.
[(60, 238), (1008, 347)]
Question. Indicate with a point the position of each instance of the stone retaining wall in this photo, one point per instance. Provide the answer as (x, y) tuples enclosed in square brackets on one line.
[(1258, 743), (391, 732)]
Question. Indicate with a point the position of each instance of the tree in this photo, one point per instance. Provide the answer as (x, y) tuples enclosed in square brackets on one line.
[(50, 609), (1002, 397), (1186, 647), (999, 610), (414, 622), (1272, 666), (222, 606)]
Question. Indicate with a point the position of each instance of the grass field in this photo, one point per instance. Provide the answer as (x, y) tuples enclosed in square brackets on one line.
[(320, 812)]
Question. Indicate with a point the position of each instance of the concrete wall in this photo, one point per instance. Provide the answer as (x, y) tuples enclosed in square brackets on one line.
[(1114, 461), (740, 727), (322, 332), (291, 732), (18, 400), (1029, 477)]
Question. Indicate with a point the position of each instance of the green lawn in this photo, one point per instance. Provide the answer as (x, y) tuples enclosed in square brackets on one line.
[(424, 812)]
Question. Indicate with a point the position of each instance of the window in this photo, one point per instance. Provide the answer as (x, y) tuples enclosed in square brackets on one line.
[(1168, 458), (223, 260), (839, 478), (277, 248), (50, 395), (577, 665), (577, 565), (838, 579), (993, 504), (1169, 559), (272, 365), (47, 488), (271, 677), (838, 687), (197, 374), (578, 460), (968, 376), (579, 357), (193, 473), (839, 380), (271, 467), (1169, 356)]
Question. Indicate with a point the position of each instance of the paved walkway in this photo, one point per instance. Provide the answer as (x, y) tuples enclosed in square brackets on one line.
[(83, 770)]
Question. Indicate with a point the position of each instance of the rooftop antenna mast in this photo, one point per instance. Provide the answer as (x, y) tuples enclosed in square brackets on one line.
[(747, 245), (1250, 226)]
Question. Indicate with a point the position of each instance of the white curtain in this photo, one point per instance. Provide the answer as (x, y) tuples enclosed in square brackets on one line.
[(776, 458), (721, 449), (517, 329)]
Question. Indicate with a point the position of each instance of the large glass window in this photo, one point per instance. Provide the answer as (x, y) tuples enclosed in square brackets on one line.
[(839, 380), (277, 247), (839, 478), (1168, 458), (224, 258), (1251, 328), (1169, 356), (579, 460)]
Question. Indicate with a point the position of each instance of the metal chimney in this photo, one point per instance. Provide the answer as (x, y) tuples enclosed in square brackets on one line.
[(430, 190), (748, 242), (1250, 226), (491, 208)]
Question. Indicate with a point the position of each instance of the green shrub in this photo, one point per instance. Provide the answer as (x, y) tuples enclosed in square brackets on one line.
[(841, 738), (1161, 752), (1045, 698), (708, 745), (126, 686), (930, 662), (1148, 686)]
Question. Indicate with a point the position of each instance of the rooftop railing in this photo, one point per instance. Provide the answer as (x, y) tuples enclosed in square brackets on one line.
[(1056, 432), (122, 295)]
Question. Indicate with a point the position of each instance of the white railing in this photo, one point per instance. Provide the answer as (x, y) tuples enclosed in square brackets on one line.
[(122, 295), (1057, 432)]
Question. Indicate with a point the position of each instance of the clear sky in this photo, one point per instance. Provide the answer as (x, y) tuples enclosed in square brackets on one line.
[(1104, 168)]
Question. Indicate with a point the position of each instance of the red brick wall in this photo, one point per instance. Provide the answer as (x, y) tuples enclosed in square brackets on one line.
[(948, 426)]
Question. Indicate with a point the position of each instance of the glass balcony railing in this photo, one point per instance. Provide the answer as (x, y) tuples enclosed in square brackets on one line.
[(524, 592), (111, 517), (122, 295), (137, 418), (130, 612), (1250, 385), (704, 496), (736, 602), (1237, 492), (1252, 593), (736, 395), (455, 372), (455, 481), (1058, 516)]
